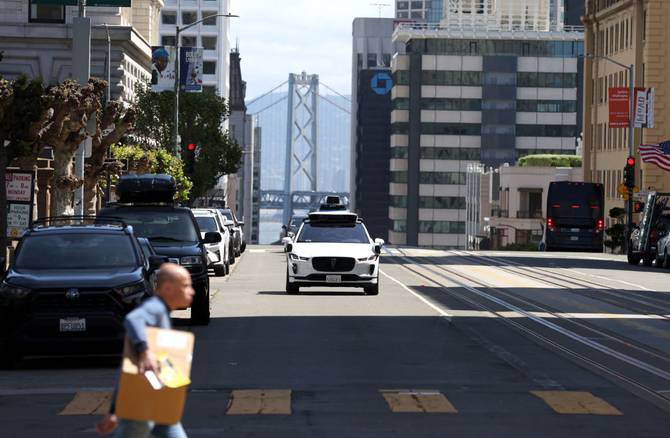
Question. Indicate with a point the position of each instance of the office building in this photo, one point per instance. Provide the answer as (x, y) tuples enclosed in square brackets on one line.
[(36, 41), (429, 11), (467, 95), (213, 35), (631, 32), (371, 121)]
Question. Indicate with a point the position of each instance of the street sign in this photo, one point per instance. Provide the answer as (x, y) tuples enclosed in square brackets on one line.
[(105, 3), (644, 107), (623, 190), (20, 187)]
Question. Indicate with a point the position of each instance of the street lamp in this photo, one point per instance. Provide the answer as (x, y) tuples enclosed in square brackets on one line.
[(631, 135), (177, 65)]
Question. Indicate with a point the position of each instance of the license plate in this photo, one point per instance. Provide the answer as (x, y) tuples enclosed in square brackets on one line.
[(333, 279), (574, 238), (73, 324)]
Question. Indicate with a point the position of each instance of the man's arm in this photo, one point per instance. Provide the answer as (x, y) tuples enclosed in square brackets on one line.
[(135, 324)]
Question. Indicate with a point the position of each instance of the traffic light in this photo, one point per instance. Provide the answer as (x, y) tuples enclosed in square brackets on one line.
[(629, 173), (189, 158)]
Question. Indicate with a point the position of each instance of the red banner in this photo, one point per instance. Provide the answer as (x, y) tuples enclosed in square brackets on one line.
[(619, 106)]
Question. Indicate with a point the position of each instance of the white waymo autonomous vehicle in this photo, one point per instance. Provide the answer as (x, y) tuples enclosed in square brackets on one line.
[(333, 249)]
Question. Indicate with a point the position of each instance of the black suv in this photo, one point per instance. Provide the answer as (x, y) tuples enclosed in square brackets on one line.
[(70, 286), (146, 204)]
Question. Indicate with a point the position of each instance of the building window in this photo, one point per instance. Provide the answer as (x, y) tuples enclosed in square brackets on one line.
[(445, 178), (403, 5), (400, 226), (46, 13), (441, 227), (401, 77), (209, 21), (168, 40), (169, 17), (442, 202), (399, 201), (209, 67), (189, 17), (399, 177), (209, 42), (189, 41)]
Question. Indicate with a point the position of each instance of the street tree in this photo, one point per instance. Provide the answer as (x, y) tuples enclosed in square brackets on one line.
[(201, 118)]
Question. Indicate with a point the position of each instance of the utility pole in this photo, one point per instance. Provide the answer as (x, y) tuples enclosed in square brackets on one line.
[(177, 86), (109, 99), (81, 70)]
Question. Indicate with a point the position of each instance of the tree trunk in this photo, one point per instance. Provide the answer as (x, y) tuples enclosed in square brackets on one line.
[(64, 182), (90, 196)]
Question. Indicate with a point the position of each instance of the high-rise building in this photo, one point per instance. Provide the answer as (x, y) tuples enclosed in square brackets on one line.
[(213, 35), (633, 33), (514, 15), (36, 41), (429, 11), (371, 121), (464, 95)]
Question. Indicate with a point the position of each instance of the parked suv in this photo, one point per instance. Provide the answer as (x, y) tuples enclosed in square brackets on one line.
[(236, 229), (70, 286), (210, 220), (146, 204)]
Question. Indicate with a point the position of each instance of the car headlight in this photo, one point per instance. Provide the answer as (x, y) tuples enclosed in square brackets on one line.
[(191, 260), (297, 257), (131, 289), (11, 291), (373, 257)]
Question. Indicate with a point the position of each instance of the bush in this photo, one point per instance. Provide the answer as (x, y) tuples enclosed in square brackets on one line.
[(549, 160)]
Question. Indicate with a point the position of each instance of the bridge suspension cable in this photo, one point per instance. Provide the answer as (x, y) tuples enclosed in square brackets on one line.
[(252, 101)]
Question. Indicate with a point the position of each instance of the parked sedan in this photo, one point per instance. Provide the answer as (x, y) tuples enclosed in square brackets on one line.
[(69, 289), (219, 254)]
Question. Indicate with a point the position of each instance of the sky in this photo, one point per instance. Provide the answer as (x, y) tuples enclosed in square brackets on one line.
[(278, 37)]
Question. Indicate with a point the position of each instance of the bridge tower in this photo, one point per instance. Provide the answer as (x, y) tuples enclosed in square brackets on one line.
[(301, 138)]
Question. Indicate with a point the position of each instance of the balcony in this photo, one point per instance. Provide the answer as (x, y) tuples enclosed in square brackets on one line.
[(526, 214)]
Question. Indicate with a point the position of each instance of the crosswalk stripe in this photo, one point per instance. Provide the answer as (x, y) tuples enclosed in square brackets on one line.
[(260, 402), (418, 401), (576, 403), (88, 403)]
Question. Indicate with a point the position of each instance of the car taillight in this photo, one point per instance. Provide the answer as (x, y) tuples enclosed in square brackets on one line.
[(550, 224), (601, 225)]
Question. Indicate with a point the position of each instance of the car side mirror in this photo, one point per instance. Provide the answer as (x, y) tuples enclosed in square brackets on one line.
[(156, 261), (240, 223), (212, 237), (379, 243), (283, 227)]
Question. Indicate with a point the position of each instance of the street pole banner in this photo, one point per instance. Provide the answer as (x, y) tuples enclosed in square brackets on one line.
[(20, 186), (644, 107), (191, 69), (618, 107), (162, 68)]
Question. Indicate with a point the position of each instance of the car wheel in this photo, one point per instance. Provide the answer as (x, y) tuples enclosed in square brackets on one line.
[(666, 261), (633, 259), (372, 290), (291, 288), (200, 308), (227, 268), (220, 270), (243, 247)]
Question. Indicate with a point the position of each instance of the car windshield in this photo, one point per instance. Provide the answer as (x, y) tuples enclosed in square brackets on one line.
[(76, 251), (227, 214), (169, 225), (206, 224), (333, 233)]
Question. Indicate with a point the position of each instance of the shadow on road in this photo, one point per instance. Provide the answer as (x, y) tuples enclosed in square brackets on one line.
[(316, 293)]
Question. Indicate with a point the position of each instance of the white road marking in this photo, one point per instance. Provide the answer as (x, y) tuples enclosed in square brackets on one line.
[(425, 301)]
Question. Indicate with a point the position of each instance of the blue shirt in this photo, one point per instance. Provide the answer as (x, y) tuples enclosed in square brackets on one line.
[(153, 312)]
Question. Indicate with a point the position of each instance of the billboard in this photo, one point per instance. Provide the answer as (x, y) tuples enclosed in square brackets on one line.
[(619, 108), (190, 74), (163, 68)]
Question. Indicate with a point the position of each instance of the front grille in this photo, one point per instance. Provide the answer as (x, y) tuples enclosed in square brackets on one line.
[(322, 277), (333, 264), (58, 302)]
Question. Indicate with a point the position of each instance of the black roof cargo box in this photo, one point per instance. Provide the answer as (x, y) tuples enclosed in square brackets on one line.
[(147, 188)]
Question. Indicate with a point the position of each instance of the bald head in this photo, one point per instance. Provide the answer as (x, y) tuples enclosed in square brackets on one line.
[(174, 286)]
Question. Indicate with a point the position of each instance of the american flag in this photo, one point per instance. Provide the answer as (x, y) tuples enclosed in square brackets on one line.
[(659, 154)]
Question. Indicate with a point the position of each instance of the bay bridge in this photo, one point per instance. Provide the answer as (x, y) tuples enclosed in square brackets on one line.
[(305, 145)]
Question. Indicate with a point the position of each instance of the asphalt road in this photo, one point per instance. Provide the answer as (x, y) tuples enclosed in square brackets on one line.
[(456, 344)]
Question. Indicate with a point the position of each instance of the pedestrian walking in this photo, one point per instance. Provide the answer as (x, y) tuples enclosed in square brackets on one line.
[(173, 291)]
